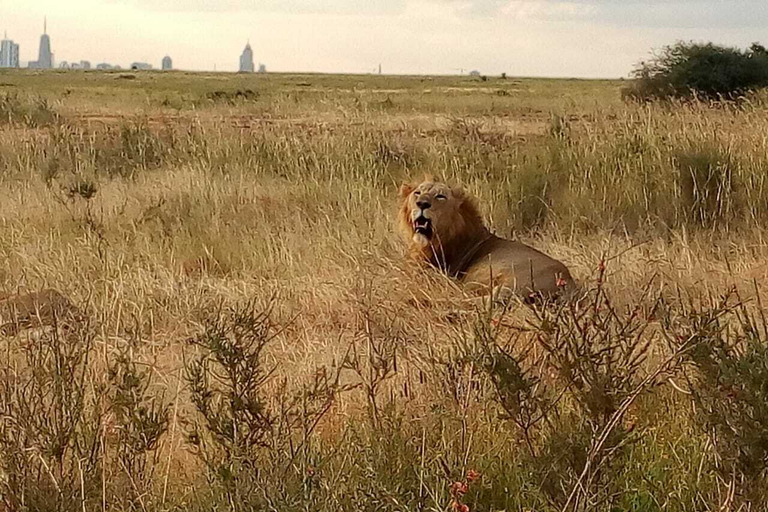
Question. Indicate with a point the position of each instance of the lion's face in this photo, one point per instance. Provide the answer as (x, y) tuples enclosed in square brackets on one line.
[(433, 213)]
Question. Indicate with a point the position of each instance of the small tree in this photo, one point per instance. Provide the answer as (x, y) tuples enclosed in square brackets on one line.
[(686, 70)]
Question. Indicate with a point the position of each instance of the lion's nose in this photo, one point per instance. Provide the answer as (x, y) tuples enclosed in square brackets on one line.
[(423, 204)]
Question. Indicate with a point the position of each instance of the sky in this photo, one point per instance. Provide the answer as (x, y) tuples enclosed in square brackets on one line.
[(553, 38)]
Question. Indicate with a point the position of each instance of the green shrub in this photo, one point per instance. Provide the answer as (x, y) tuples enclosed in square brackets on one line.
[(686, 70), (141, 420), (730, 390), (254, 436), (51, 422)]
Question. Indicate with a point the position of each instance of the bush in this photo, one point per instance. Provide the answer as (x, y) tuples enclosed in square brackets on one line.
[(575, 377), (729, 388), (50, 421), (687, 70), (139, 420), (254, 436)]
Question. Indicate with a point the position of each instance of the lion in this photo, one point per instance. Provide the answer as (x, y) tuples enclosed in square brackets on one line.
[(444, 229), (28, 311)]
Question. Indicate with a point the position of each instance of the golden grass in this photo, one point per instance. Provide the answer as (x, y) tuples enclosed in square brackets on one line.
[(294, 194)]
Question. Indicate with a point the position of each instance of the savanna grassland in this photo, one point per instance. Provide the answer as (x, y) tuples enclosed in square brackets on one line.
[(254, 340)]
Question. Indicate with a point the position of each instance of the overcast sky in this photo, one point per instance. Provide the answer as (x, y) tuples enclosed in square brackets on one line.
[(569, 38)]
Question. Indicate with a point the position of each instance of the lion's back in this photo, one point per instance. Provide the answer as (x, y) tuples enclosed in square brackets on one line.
[(517, 266), (34, 309)]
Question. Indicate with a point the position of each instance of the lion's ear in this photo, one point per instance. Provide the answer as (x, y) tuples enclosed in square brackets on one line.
[(458, 193), (406, 189)]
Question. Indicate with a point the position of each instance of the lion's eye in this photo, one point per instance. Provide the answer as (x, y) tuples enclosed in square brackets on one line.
[(441, 197), (417, 193)]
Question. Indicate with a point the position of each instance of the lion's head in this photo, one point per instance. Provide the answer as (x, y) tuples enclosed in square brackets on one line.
[(438, 221)]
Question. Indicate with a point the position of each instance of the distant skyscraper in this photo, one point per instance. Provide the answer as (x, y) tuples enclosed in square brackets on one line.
[(9, 53), (45, 56), (262, 68), (141, 66), (246, 60), (167, 63)]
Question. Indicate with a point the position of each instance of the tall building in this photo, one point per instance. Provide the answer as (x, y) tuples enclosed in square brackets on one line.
[(9, 53), (246, 60), (45, 56), (167, 63)]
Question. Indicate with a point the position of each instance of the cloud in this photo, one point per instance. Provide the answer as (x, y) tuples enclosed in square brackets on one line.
[(366, 7), (619, 13), (477, 8), (721, 14), (622, 13)]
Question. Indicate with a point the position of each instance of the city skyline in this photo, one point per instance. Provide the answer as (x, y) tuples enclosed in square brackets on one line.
[(10, 57), (575, 38)]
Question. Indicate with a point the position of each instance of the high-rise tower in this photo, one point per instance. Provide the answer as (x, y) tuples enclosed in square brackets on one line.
[(9, 53), (246, 60), (45, 56)]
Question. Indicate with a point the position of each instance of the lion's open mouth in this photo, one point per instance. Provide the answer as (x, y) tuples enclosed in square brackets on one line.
[(423, 226)]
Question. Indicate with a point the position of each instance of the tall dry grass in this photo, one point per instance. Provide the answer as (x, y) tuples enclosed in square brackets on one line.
[(353, 381)]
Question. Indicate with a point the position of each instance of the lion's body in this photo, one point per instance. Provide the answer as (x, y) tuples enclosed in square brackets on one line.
[(46, 307), (445, 230), (517, 266)]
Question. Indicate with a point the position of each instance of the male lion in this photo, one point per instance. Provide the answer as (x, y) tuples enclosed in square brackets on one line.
[(444, 228)]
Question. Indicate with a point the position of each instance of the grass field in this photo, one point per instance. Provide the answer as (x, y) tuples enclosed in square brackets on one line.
[(256, 340)]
